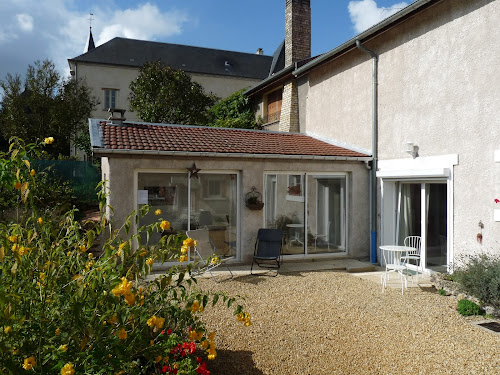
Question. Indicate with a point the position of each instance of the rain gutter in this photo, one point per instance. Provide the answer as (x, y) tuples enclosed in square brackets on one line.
[(108, 151), (373, 170)]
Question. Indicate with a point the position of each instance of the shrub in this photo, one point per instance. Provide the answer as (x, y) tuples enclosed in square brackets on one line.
[(467, 308), (480, 277), (65, 310)]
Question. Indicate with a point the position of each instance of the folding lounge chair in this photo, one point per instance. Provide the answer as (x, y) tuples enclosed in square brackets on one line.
[(268, 249), (205, 253)]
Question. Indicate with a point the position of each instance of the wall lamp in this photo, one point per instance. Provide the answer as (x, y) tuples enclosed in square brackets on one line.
[(411, 149)]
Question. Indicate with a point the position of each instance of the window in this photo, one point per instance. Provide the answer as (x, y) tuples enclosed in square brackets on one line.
[(295, 189), (110, 98), (274, 100)]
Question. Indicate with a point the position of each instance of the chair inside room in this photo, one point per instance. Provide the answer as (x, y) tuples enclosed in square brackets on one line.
[(206, 256), (268, 250), (413, 256), (205, 219)]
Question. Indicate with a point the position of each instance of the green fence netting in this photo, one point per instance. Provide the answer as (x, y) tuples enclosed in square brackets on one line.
[(83, 175)]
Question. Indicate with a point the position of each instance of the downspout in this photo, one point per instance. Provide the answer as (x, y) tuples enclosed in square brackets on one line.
[(373, 171)]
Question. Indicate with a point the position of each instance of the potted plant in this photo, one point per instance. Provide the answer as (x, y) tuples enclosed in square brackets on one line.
[(254, 203)]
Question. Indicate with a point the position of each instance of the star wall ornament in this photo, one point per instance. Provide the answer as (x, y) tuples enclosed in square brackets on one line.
[(193, 171)]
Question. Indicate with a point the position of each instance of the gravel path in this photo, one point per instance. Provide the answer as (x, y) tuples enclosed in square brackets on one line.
[(337, 323)]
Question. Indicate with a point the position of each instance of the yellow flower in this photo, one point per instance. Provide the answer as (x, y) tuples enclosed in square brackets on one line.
[(196, 306), (15, 351), (182, 258), (129, 298), (188, 242), (158, 359), (158, 212), (32, 172), (49, 140), (143, 252), (123, 288), (83, 248), (68, 253), (122, 334), (211, 351), (211, 336), (165, 225), (204, 344), (63, 348), (114, 319), (7, 329), (58, 331), (68, 369), (184, 249), (150, 262), (13, 238), (156, 322), (29, 363), (215, 259)]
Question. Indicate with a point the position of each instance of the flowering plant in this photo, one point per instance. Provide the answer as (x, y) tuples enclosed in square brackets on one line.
[(67, 308)]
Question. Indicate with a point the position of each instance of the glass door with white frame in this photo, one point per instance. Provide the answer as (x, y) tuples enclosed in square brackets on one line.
[(422, 211)]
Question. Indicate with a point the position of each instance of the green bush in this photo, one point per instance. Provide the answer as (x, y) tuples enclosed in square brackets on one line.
[(467, 308), (480, 277), (65, 309)]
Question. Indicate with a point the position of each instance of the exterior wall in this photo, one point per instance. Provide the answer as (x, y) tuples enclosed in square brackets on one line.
[(439, 87), (121, 171), (116, 77)]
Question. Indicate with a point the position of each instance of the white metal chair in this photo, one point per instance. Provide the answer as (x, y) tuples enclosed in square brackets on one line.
[(413, 256), (393, 263), (206, 255)]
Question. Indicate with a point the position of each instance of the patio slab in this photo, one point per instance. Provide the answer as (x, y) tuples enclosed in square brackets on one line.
[(354, 267)]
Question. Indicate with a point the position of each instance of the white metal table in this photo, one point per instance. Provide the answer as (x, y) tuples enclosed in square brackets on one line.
[(392, 258)]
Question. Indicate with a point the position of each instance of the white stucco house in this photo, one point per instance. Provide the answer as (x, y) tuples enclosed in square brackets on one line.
[(409, 104), (418, 93)]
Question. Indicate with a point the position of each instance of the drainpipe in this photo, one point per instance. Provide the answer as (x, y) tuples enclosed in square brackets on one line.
[(373, 171)]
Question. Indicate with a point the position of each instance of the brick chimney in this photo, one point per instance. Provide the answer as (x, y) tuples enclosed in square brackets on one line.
[(297, 30), (297, 47)]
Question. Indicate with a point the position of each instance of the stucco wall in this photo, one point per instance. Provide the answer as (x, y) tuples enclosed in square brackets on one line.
[(439, 87), (121, 172), (116, 77)]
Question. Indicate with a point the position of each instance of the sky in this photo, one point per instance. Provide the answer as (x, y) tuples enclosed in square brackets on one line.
[(33, 30)]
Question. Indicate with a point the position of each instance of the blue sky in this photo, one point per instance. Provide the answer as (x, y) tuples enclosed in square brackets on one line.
[(57, 29)]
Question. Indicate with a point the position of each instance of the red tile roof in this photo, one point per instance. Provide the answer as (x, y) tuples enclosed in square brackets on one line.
[(172, 138)]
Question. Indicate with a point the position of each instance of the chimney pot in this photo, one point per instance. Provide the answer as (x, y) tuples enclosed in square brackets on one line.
[(260, 51)]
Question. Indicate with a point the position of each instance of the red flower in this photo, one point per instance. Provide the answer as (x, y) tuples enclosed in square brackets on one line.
[(496, 200), (162, 332), (169, 331)]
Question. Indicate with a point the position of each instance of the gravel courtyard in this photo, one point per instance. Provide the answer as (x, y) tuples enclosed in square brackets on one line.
[(337, 323)]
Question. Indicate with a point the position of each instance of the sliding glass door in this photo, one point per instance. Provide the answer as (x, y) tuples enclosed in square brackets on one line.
[(319, 229), (422, 211)]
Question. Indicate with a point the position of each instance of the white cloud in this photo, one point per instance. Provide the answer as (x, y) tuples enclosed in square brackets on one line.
[(366, 13), (25, 22), (145, 22), (56, 30)]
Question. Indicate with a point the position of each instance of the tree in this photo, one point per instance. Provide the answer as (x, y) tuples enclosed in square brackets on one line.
[(43, 105), (234, 112), (163, 95)]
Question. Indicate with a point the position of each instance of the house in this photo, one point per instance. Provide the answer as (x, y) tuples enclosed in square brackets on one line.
[(409, 106), (418, 93), (205, 177), (109, 68)]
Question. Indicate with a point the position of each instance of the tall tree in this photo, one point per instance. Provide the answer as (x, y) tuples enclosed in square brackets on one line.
[(43, 105), (163, 95), (235, 111)]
